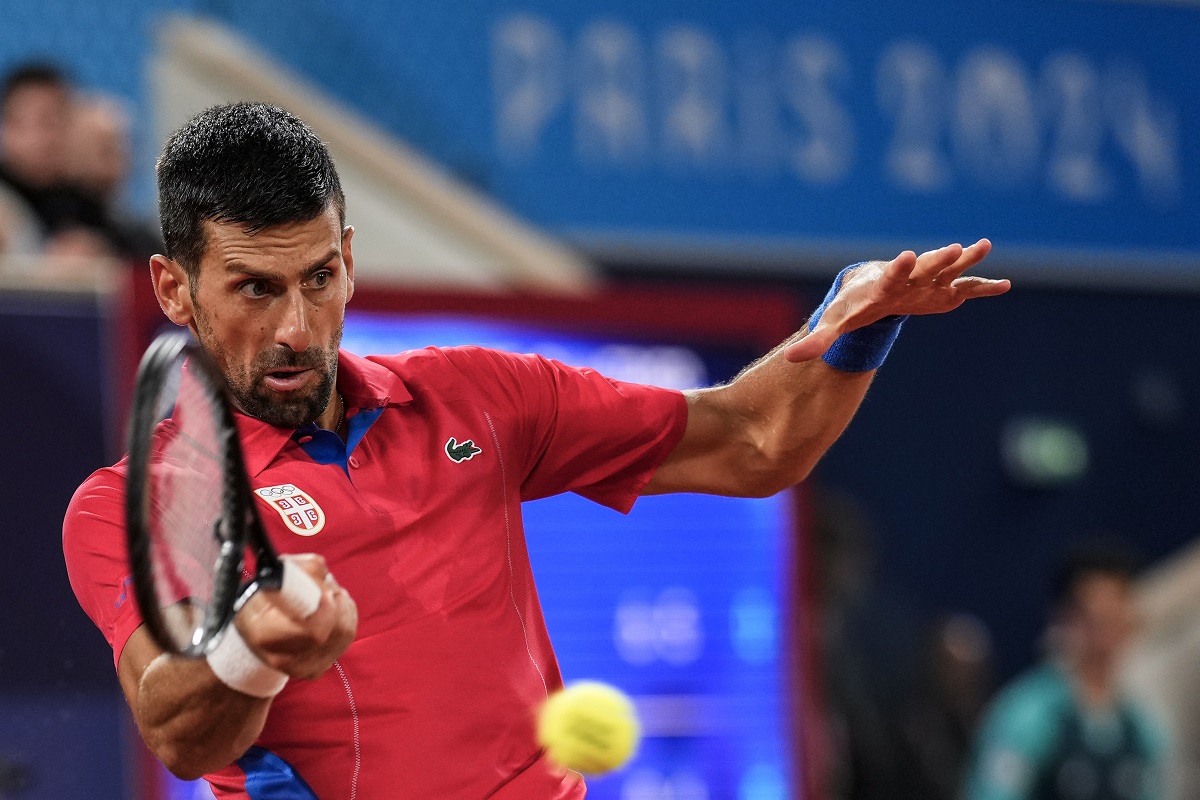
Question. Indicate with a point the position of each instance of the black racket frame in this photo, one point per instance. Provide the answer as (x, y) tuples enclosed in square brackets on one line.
[(237, 528)]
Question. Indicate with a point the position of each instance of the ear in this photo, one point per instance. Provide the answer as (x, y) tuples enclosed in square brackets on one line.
[(348, 260), (171, 289)]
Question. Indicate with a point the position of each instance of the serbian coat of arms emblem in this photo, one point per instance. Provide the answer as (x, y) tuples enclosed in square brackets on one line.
[(299, 511)]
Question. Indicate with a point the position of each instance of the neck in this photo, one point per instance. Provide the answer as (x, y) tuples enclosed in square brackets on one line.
[(1096, 682), (335, 413)]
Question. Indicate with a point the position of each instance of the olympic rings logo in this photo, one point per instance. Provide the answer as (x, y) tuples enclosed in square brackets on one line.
[(277, 491)]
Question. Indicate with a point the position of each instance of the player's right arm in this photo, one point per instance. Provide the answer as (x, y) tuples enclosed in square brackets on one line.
[(193, 722)]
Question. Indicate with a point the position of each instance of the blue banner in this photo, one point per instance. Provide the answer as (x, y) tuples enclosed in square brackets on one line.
[(1068, 130)]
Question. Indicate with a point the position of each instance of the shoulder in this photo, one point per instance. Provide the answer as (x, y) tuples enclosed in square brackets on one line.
[(1147, 727), (1026, 712), (464, 359), (99, 499), (103, 483), (471, 372), (93, 533), (1033, 697), (1017, 736)]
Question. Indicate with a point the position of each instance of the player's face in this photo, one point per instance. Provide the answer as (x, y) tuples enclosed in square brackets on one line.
[(269, 308)]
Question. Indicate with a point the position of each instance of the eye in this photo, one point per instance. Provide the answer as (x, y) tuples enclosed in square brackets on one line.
[(254, 288), (321, 279)]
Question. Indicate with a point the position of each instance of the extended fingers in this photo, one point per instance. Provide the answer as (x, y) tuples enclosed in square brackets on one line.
[(974, 286), (967, 259), (931, 264), (900, 268)]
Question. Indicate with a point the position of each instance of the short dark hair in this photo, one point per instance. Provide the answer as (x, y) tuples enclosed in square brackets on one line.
[(32, 73), (252, 164), (1104, 558)]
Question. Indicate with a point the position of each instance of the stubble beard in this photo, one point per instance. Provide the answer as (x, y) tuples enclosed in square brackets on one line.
[(254, 399)]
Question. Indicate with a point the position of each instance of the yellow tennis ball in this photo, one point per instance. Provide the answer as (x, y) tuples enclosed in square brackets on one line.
[(589, 727)]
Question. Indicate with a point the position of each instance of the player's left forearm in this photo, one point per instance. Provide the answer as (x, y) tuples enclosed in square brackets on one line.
[(765, 431)]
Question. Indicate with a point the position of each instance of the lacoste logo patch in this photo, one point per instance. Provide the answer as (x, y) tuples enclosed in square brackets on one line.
[(461, 452), (299, 511)]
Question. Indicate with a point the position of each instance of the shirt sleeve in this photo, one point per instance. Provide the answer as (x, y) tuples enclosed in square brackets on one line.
[(1152, 737), (578, 431), (1013, 744), (97, 562)]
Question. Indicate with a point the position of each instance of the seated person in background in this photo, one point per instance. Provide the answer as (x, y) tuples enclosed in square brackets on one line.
[(98, 151), (20, 233), (35, 115), (98, 164), (1065, 731)]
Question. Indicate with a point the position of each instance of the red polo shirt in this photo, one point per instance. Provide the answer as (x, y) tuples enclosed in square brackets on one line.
[(421, 523)]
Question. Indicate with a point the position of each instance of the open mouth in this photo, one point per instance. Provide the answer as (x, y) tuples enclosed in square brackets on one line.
[(287, 380)]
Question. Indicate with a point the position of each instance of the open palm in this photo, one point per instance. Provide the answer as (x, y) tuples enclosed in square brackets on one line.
[(931, 283)]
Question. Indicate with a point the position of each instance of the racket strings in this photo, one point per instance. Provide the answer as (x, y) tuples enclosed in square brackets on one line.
[(186, 491)]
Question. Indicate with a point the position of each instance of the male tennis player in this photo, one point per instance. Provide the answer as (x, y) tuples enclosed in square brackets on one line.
[(411, 469)]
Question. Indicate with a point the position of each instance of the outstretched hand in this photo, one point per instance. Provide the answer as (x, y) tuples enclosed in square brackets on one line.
[(931, 283)]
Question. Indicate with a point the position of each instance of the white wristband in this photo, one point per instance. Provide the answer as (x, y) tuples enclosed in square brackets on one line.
[(237, 666)]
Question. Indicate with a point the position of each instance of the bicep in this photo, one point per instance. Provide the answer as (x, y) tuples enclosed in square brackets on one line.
[(706, 457)]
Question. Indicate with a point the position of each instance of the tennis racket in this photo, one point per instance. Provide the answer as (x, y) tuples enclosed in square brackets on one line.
[(197, 548)]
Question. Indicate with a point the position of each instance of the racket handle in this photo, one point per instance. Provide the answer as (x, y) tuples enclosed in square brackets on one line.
[(298, 592), (237, 666)]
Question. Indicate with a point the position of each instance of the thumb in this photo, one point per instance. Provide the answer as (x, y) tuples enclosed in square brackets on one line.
[(811, 346)]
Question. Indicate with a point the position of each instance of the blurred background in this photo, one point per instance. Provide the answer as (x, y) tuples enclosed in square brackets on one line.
[(664, 191)]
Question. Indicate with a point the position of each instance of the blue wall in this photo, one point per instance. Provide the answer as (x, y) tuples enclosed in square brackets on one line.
[(923, 454)]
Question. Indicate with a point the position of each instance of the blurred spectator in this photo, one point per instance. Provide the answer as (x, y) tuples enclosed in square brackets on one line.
[(948, 701), (35, 114), (61, 167), (20, 232), (98, 155), (1065, 731), (36, 104), (869, 639), (99, 163)]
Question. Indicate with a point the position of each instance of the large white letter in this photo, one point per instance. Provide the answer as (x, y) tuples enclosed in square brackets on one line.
[(996, 129), (1072, 100), (527, 81), (911, 86), (610, 118), (812, 68), (1146, 129), (693, 81)]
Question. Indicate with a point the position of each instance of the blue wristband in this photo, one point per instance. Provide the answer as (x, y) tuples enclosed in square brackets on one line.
[(862, 349)]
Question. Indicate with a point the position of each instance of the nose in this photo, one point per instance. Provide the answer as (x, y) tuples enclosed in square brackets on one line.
[(294, 329)]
